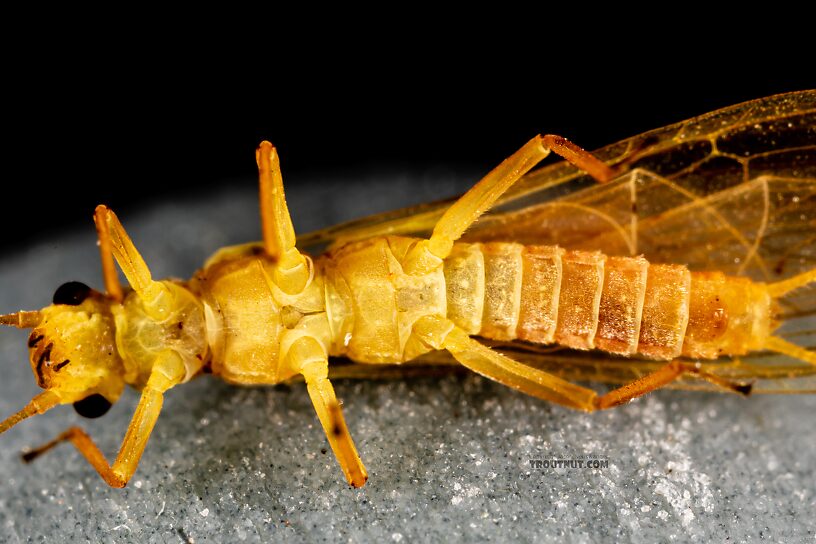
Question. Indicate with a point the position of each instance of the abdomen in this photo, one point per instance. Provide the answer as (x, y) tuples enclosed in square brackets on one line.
[(582, 300)]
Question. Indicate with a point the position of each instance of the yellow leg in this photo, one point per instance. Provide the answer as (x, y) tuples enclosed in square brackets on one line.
[(660, 378), (38, 405), (167, 371), (481, 196), (129, 259), (307, 356), (484, 194), (292, 271), (112, 285), (580, 158), (440, 333)]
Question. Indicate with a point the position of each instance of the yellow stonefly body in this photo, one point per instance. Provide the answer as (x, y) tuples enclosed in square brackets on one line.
[(267, 313)]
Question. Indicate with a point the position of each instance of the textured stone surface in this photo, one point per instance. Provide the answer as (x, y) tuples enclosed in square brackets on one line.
[(448, 458)]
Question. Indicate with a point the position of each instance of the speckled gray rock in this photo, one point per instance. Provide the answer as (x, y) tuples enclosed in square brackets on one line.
[(449, 459)]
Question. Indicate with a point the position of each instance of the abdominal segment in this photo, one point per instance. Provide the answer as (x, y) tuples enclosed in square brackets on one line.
[(586, 300)]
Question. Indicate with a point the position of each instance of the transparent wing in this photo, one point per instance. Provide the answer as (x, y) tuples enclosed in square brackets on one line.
[(776, 377), (733, 190), (665, 152)]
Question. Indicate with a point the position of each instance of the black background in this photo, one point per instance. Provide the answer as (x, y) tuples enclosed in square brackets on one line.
[(79, 135)]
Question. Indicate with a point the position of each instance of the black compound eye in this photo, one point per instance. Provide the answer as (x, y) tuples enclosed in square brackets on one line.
[(72, 293), (93, 406)]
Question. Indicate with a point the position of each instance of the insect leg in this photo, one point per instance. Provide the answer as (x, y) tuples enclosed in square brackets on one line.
[(292, 271), (660, 378), (580, 158), (167, 372), (310, 358), (440, 333), (112, 285), (135, 269), (38, 405), (481, 197)]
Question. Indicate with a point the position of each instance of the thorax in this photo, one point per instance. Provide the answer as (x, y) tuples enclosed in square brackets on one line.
[(250, 321), (142, 335), (372, 304)]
